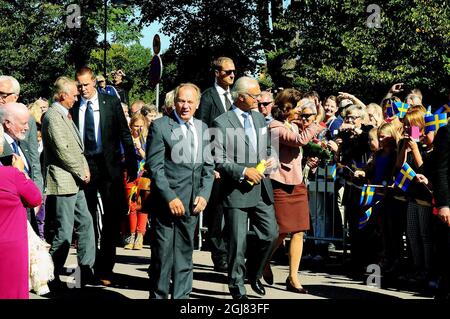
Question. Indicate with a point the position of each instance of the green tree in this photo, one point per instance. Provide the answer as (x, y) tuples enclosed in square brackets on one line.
[(134, 60), (328, 46), (38, 45)]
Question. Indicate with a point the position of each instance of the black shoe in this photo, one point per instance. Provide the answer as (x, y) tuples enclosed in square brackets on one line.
[(57, 285), (291, 288), (239, 297), (258, 287), (221, 266), (268, 275)]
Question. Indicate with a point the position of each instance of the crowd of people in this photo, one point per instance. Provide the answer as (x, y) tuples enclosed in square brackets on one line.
[(90, 167)]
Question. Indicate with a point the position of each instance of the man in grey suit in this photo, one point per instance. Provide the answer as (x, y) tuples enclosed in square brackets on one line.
[(215, 101), (181, 169), (242, 141), (66, 171), (9, 93)]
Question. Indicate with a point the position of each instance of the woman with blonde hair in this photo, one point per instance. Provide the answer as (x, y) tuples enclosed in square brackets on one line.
[(138, 190)]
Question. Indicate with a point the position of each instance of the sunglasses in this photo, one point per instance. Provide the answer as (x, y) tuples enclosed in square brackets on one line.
[(306, 116), (265, 104), (228, 72)]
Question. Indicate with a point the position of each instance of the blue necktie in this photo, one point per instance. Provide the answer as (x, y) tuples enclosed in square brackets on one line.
[(249, 130), (90, 144), (15, 147)]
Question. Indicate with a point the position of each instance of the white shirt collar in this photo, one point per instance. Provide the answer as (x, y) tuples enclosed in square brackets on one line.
[(94, 101), (220, 89), (9, 139)]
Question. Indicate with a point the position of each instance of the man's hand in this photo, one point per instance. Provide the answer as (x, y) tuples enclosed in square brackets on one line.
[(396, 88), (444, 215), (251, 174), (216, 175), (199, 204), (176, 207), (87, 176), (332, 145)]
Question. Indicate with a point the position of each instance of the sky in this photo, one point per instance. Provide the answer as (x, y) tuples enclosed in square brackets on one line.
[(148, 34)]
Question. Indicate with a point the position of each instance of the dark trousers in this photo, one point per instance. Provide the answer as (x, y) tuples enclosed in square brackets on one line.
[(264, 224), (112, 195), (172, 247), (215, 222), (64, 214)]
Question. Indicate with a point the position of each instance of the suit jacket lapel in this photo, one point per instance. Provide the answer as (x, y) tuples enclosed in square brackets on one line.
[(217, 101), (233, 118), (102, 109), (71, 126)]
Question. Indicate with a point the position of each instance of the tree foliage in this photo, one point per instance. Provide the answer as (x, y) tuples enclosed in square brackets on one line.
[(38, 45), (328, 46)]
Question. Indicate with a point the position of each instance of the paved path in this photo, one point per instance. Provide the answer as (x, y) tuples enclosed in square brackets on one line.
[(131, 282)]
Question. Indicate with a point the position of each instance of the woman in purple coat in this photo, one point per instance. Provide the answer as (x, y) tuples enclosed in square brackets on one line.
[(16, 190)]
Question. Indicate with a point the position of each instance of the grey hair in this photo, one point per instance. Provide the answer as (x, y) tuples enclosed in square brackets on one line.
[(241, 86), (308, 104), (62, 85), (15, 86), (361, 112), (267, 93), (169, 101)]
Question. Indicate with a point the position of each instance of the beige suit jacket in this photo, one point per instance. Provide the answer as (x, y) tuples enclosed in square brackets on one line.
[(64, 161)]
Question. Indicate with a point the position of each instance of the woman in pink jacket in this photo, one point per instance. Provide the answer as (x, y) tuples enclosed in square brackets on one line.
[(16, 190), (290, 193)]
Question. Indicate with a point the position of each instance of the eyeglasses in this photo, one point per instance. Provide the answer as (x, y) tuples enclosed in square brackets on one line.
[(352, 118), (255, 97), (228, 72), (306, 116), (4, 95), (265, 104)]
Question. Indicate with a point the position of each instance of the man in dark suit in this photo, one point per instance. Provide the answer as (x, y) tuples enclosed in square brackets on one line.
[(242, 140), (9, 93), (66, 172), (181, 168), (215, 101), (104, 130), (441, 185)]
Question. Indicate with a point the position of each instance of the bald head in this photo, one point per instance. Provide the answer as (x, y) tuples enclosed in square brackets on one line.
[(16, 119)]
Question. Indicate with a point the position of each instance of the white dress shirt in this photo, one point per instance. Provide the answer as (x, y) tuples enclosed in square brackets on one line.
[(184, 129), (10, 141), (96, 109)]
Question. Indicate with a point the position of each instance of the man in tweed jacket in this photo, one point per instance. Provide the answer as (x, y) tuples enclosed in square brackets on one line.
[(66, 170)]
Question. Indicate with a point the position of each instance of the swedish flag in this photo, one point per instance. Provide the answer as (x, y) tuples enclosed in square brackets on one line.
[(370, 192), (405, 177), (434, 122), (365, 218), (391, 110), (402, 108), (363, 194), (331, 172)]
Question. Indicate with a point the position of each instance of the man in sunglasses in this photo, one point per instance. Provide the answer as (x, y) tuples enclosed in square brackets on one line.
[(215, 101), (265, 105)]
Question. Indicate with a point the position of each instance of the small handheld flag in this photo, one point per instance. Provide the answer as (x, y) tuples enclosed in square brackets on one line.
[(363, 194), (365, 218), (391, 110), (434, 122), (405, 177), (331, 172), (402, 108)]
